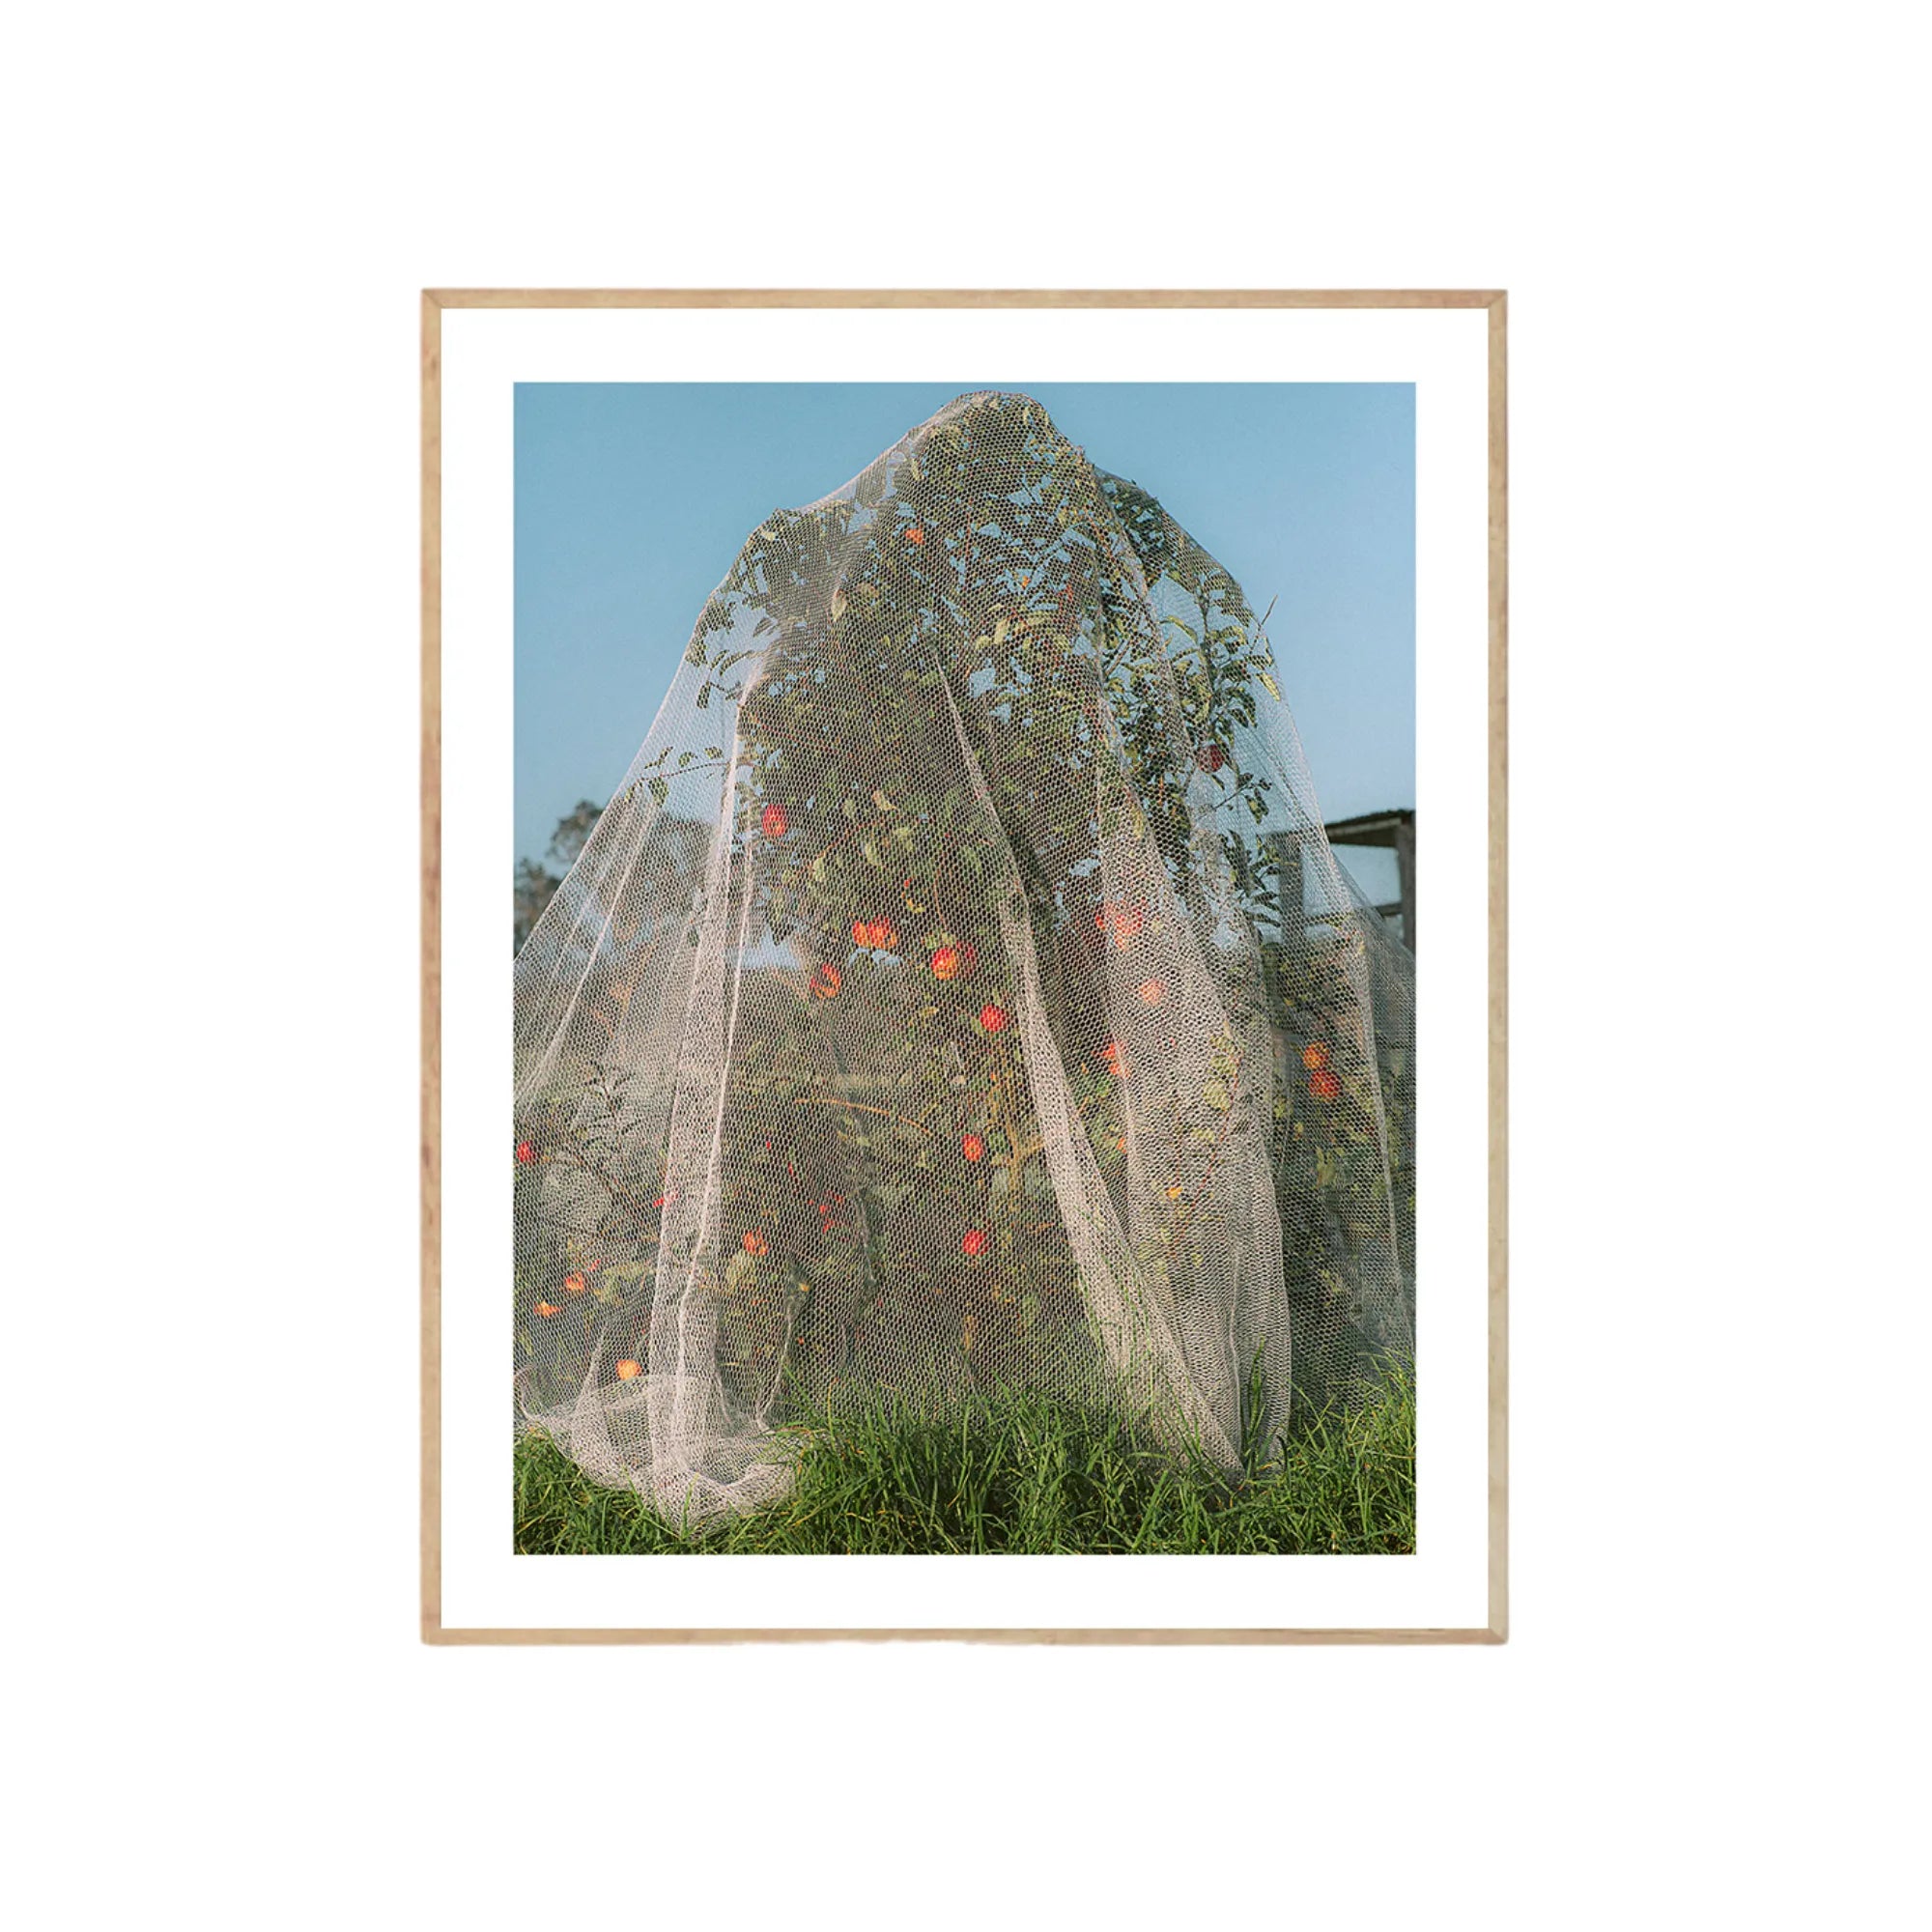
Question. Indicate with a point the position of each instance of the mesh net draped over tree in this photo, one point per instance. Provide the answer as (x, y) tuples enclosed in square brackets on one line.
[(959, 993)]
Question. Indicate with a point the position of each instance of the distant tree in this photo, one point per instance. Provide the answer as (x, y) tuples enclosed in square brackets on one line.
[(536, 883)]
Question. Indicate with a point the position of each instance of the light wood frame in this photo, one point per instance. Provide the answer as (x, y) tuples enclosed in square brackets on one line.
[(1494, 1629)]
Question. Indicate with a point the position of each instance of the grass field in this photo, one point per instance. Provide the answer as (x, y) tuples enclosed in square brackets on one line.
[(1018, 1475)]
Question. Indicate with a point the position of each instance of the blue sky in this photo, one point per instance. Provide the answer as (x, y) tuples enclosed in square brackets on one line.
[(633, 499)]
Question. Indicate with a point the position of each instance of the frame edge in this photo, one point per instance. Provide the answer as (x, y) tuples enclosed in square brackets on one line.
[(1498, 995), (431, 942)]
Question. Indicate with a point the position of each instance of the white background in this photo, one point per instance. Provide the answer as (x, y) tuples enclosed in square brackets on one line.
[(1711, 1710), (1445, 355)]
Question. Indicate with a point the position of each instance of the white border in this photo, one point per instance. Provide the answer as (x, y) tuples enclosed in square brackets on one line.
[(1444, 353)]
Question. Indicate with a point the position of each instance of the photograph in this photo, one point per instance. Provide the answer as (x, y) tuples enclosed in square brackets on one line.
[(965, 920), (961, 1083)]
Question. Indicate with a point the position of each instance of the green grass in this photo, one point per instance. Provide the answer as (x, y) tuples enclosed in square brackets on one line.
[(1020, 1475)]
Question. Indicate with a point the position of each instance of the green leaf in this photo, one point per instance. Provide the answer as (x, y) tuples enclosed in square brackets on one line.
[(659, 790), (1215, 1094)]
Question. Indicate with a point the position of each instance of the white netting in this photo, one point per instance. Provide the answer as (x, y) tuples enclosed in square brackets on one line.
[(958, 991)]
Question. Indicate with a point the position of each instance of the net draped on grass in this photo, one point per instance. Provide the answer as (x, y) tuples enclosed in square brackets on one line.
[(958, 994), (1018, 1476)]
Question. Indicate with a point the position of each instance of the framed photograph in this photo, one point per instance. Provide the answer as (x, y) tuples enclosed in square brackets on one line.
[(964, 1124)]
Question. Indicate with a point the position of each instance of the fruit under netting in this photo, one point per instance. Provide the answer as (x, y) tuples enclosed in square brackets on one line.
[(959, 992)]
